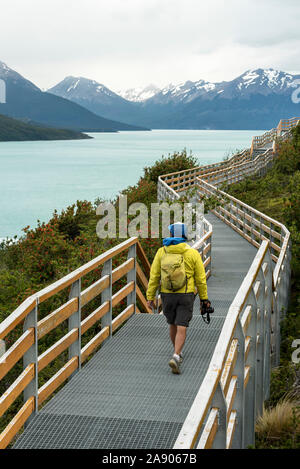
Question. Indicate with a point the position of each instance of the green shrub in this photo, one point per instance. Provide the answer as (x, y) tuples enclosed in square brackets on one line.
[(170, 164)]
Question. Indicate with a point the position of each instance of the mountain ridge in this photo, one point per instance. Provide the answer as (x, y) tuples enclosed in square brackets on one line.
[(24, 100), (260, 94), (139, 94)]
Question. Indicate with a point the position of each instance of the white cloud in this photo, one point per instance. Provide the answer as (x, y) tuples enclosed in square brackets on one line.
[(135, 42)]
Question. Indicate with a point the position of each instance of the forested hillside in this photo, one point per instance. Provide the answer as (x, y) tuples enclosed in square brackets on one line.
[(15, 130)]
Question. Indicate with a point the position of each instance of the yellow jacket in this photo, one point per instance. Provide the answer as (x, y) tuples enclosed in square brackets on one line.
[(193, 267)]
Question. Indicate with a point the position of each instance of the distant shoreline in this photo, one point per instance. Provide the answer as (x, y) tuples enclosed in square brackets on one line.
[(14, 130)]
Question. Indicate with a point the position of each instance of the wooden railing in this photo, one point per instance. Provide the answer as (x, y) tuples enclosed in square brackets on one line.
[(234, 174), (237, 381), (217, 175), (287, 124), (204, 247), (34, 329), (171, 185), (262, 140), (238, 378), (273, 134), (256, 227)]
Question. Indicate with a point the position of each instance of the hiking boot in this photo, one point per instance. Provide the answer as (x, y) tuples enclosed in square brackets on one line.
[(175, 365)]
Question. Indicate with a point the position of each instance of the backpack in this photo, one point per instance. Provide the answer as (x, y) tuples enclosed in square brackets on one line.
[(173, 276)]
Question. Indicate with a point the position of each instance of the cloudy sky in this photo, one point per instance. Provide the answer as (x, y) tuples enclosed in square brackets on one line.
[(131, 43)]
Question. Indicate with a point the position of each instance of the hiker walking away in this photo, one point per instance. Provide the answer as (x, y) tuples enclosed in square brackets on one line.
[(178, 269)]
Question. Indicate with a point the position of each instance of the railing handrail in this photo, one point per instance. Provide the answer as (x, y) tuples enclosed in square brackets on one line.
[(266, 218), (169, 189), (18, 314), (199, 243), (271, 135), (236, 167), (219, 163), (288, 123), (224, 164), (254, 210), (192, 425)]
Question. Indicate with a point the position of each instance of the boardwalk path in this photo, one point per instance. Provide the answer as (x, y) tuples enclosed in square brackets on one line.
[(126, 395)]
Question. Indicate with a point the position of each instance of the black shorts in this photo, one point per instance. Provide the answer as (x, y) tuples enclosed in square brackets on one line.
[(178, 307)]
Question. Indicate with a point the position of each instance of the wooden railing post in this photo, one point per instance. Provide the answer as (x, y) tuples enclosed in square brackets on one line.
[(210, 252), (250, 392), (271, 238), (131, 276), (277, 313), (260, 346), (274, 332), (289, 267), (260, 228), (267, 272), (74, 322), (31, 356), (219, 402), (239, 402), (106, 295)]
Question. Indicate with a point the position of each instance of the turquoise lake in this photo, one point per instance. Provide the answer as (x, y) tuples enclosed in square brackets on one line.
[(38, 177)]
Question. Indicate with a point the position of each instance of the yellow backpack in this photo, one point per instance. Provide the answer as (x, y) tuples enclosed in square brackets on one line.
[(173, 276)]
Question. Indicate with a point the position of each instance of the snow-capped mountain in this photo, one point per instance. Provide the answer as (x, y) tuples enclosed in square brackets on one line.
[(251, 82), (140, 94), (10, 76), (183, 92), (96, 97), (259, 81), (83, 89), (89, 92), (24, 100), (254, 100)]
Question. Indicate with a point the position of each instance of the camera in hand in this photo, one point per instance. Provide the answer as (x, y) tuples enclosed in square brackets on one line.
[(206, 310)]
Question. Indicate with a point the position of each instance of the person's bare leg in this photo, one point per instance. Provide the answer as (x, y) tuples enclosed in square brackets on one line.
[(173, 332), (180, 339)]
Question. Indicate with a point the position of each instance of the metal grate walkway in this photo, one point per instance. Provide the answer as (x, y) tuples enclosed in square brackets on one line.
[(126, 395)]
